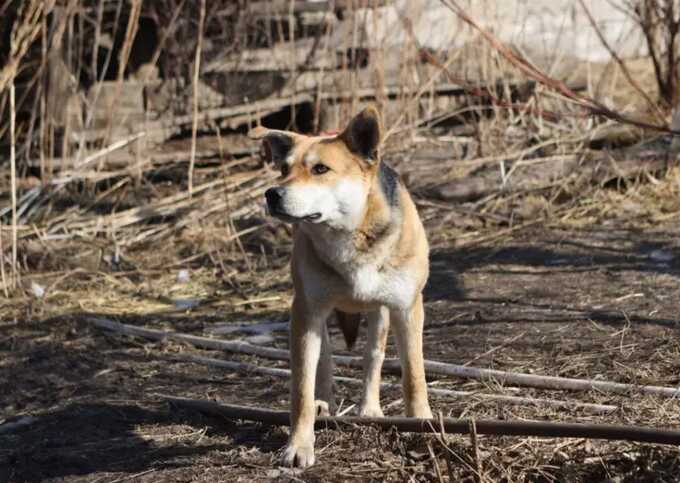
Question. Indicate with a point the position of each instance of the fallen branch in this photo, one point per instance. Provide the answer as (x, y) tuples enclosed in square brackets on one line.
[(393, 366), (242, 188), (450, 425), (581, 170), (555, 170), (164, 154), (165, 127), (244, 367), (78, 171), (284, 7)]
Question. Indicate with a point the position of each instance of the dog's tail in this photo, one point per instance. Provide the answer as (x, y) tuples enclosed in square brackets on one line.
[(349, 325)]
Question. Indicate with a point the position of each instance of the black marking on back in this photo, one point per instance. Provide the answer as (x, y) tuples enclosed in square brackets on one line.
[(389, 182)]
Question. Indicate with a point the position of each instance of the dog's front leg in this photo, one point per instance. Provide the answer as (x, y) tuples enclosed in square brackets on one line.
[(305, 344)]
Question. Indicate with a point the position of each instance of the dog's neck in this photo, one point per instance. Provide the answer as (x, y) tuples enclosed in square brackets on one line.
[(378, 220)]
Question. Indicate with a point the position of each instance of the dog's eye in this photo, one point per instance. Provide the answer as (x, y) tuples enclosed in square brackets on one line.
[(320, 169), (285, 169)]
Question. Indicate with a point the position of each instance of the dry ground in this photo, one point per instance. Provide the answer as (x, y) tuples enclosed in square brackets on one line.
[(598, 301)]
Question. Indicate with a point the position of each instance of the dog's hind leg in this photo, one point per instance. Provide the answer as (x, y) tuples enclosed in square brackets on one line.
[(325, 405), (374, 354), (408, 328)]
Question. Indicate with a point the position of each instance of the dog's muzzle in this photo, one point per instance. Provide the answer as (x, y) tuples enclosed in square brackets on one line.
[(274, 198)]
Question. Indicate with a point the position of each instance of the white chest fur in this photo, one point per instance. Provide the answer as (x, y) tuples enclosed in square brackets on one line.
[(366, 277), (389, 286)]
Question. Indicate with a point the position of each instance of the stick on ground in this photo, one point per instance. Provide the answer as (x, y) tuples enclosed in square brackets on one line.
[(392, 365), (285, 373), (451, 425)]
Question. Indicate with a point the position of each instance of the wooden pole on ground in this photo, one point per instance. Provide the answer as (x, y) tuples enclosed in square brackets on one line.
[(450, 425), (435, 391), (392, 365)]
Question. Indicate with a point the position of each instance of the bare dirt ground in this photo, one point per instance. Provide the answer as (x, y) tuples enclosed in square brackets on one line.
[(597, 302)]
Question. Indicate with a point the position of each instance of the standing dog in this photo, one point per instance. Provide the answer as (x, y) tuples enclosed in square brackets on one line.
[(359, 247)]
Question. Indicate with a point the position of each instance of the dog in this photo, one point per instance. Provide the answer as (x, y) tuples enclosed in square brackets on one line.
[(359, 247)]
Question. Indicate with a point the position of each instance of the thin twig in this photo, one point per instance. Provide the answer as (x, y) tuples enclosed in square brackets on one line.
[(435, 463), (123, 57), (5, 287), (43, 103), (475, 450), (194, 124), (442, 436), (13, 176), (495, 348)]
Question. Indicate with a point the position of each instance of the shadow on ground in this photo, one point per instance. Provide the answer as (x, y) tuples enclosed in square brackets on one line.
[(85, 439), (558, 278)]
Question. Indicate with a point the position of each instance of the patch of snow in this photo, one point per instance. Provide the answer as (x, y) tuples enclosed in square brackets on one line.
[(38, 290)]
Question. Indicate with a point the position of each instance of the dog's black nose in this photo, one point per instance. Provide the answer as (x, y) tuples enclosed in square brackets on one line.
[(274, 196)]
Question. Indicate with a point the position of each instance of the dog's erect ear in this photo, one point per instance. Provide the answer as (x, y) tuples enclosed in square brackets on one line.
[(276, 145), (362, 135)]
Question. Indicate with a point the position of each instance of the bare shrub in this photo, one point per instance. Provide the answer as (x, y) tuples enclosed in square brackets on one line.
[(660, 24)]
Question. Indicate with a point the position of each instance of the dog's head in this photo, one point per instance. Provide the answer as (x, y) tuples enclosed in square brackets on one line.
[(324, 180)]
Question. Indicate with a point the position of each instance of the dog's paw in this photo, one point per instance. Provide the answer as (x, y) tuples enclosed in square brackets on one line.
[(323, 409), (298, 455), (423, 412), (370, 411)]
